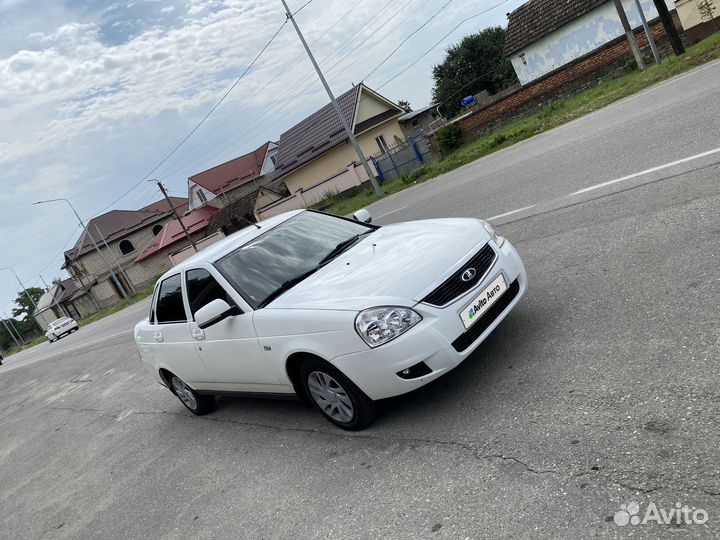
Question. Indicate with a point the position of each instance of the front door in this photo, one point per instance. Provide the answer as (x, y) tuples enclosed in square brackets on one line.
[(229, 349)]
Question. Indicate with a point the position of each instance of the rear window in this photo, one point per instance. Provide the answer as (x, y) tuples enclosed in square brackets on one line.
[(170, 308)]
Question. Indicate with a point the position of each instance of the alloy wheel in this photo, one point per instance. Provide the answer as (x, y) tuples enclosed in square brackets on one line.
[(185, 393), (330, 396)]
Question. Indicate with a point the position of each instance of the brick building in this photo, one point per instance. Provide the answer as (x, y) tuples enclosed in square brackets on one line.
[(121, 235)]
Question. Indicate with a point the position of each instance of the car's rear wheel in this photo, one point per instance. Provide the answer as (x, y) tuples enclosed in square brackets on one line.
[(336, 396), (194, 402)]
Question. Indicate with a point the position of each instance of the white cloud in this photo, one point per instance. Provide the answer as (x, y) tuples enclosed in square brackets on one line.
[(89, 106)]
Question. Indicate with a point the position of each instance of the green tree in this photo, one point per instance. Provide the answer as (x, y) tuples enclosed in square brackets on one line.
[(24, 307), (476, 63), (403, 104)]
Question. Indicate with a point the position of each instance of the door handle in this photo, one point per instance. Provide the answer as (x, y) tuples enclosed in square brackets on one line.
[(159, 337), (198, 334)]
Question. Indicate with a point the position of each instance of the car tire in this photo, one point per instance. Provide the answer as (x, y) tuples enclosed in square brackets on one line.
[(195, 403), (336, 396)]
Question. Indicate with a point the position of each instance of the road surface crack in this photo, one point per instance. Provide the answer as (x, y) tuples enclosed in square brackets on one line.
[(519, 462)]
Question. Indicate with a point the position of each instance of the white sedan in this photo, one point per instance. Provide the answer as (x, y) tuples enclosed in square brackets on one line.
[(335, 310), (60, 328)]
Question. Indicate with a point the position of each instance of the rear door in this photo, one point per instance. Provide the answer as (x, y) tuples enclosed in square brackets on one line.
[(172, 344), (229, 348)]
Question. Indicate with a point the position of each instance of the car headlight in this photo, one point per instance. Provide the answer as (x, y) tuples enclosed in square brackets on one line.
[(499, 240), (377, 326)]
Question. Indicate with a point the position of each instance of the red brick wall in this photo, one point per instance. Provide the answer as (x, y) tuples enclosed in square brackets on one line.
[(586, 71)]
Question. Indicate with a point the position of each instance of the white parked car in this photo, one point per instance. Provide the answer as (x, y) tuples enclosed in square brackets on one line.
[(60, 328), (336, 310)]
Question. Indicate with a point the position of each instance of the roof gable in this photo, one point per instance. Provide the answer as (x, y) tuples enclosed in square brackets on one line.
[(233, 173), (322, 131), (113, 226), (194, 222), (537, 18)]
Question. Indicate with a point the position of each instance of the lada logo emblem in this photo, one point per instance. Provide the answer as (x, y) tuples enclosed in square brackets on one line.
[(468, 274)]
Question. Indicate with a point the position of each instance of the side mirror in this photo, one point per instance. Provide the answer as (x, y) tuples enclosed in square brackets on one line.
[(362, 215), (214, 312)]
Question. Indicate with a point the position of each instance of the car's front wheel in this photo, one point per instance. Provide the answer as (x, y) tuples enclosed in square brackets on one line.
[(194, 402), (336, 396)]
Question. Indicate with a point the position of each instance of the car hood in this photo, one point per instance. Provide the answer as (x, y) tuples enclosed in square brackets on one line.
[(391, 266)]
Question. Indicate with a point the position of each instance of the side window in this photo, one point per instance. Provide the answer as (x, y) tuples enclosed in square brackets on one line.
[(170, 307), (202, 289)]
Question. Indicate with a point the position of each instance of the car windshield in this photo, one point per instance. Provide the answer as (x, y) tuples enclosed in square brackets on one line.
[(274, 260)]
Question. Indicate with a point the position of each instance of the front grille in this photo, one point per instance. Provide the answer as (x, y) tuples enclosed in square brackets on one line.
[(454, 286), (482, 324)]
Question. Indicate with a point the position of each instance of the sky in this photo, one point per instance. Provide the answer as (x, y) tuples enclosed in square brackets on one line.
[(94, 95)]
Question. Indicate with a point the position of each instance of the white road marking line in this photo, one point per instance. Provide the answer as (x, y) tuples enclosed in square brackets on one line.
[(647, 171), (391, 212), (511, 212)]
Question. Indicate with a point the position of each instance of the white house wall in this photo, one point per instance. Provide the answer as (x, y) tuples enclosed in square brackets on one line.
[(268, 165), (578, 38), (194, 201)]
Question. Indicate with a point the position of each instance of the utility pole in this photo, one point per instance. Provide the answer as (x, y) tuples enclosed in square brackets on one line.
[(10, 332), (9, 321), (92, 240), (29, 297), (648, 32), (629, 33), (669, 25), (174, 211), (342, 119)]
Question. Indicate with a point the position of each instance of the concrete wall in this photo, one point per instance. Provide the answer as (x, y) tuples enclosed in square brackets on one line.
[(578, 38), (351, 178), (338, 159), (697, 28)]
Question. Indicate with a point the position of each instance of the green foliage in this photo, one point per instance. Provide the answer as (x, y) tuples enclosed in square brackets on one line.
[(449, 138), (24, 307), (403, 104), (476, 63), (413, 176)]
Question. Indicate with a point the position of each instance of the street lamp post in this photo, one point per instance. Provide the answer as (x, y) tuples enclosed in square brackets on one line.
[(82, 223), (34, 305)]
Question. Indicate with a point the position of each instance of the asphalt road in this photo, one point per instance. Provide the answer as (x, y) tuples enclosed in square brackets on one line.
[(600, 389)]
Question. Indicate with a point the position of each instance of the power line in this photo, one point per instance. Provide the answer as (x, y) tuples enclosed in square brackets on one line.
[(290, 64), (446, 4), (423, 55), (177, 147), (299, 94)]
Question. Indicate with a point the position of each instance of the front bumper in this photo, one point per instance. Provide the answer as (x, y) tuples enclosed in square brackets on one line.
[(431, 341)]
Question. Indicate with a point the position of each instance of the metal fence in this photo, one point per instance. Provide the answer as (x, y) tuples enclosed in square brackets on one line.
[(403, 158)]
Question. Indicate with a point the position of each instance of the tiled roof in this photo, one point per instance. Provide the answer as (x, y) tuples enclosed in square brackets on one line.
[(69, 288), (318, 133), (233, 173), (538, 18), (179, 203), (113, 225), (194, 222)]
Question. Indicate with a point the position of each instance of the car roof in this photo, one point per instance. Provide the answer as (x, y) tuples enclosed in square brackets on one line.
[(219, 249)]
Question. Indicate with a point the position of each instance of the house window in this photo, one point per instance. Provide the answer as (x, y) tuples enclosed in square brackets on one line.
[(126, 247), (382, 144), (201, 196), (273, 158), (156, 229)]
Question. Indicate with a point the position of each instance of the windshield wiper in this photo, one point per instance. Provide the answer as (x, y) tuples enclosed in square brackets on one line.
[(289, 284), (340, 248)]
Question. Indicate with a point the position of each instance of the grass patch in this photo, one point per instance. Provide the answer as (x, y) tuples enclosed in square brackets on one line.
[(554, 115), (119, 306)]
